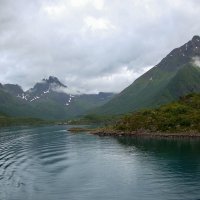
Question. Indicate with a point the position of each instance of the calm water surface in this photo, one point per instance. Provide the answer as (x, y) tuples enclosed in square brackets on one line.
[(49, 163)]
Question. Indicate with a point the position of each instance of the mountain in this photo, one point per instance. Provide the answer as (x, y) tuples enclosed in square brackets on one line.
[(48, 99), (45, 87), (176, 75), (13, 89)]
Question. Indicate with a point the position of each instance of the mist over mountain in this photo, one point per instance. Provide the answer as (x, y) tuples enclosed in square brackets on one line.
[(48, 99), (176, 75)]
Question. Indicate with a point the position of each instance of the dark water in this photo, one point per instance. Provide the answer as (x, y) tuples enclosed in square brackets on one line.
[(49, 163)]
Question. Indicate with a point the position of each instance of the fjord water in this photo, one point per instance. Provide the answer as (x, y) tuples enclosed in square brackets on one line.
[(53, 164)]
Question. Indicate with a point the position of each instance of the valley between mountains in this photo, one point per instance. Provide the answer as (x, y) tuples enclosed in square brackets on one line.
[(176, 75), (48, 99)]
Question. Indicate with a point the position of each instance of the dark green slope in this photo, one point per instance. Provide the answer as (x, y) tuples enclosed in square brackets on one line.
[(86, 102), (13, 106), (44, 109), (51, 109), (159, 85), (186, 80), (136, 95), (47, 108)]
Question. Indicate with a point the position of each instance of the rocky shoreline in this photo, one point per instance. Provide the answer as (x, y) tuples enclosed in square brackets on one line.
[(140, 133), (79, 129), (143, 133)]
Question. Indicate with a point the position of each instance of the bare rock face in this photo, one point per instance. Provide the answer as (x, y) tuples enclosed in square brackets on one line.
[(182, 55)]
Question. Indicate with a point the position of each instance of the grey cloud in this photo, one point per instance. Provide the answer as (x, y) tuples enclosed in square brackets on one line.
[(196, 61), (92, 45)]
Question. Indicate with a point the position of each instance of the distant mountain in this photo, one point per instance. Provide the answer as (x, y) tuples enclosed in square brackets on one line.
[(13, 89), (46, 89), (48, 99), (174, 76)]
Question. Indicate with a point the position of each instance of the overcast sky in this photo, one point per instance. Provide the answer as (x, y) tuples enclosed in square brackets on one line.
[(93, 45)]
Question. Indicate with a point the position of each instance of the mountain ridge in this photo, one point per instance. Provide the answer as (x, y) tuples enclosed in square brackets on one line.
[(144, 91), (47, 99)]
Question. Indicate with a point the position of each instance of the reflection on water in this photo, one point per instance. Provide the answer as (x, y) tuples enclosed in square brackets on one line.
[(181, 155), (51, 163)]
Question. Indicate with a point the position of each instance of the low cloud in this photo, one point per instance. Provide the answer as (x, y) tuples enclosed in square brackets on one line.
[(91, 45), (196, 61), (71, 90)]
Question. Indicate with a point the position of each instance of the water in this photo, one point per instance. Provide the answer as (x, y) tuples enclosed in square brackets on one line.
[(49, 163)]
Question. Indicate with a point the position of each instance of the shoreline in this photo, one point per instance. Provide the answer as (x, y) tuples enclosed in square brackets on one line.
[(112, 133)]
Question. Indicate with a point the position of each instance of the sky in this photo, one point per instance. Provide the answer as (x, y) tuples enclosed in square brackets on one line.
[(90, 45)]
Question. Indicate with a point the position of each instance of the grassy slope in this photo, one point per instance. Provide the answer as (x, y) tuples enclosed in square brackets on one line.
[(81, 105), (154, 88), (18, 108), (187, 80), (139, 94)]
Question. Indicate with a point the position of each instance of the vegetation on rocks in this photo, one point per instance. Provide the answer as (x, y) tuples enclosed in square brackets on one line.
[(179, 116), (94, 119)]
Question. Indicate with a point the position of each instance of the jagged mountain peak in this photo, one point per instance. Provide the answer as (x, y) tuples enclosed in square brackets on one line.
[(46, 85), (54, 80), (196, 38), (44, 88), (193, 46), (181, 55)]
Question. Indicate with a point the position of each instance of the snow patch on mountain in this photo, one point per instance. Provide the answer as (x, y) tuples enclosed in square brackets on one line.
[(35, 98), (23, 96), (45, 92)]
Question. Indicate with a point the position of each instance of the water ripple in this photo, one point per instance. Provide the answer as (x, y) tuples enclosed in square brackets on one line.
[(50, 163)]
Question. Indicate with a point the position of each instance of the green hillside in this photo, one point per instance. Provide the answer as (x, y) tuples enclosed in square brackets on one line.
[(186, 80), (139, 94), (179, 116), (16, 107), (46, 108), (44, 102), (174, 76)]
